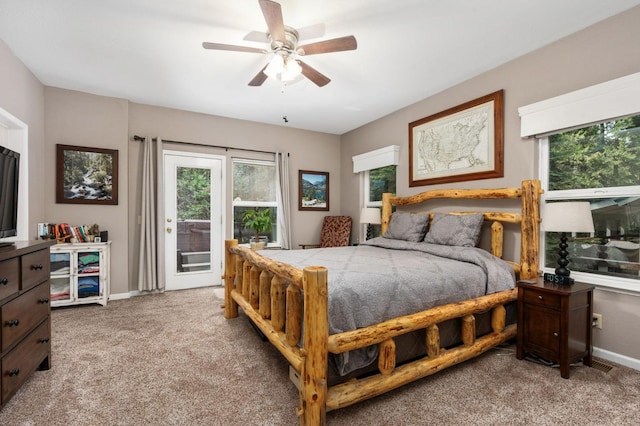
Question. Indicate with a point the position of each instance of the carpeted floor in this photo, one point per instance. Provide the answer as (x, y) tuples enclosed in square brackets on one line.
[(172, 359)]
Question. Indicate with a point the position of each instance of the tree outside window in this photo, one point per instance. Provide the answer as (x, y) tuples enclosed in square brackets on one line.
[(600, 164)]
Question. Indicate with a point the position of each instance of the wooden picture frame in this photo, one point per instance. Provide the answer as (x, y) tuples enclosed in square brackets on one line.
[(459, 144), (86, 175), (313, 190)]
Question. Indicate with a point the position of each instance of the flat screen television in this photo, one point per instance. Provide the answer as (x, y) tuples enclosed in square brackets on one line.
[(9, 172)]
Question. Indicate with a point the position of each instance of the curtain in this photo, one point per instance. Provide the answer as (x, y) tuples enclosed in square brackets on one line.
[(283, 197), (148, 259)]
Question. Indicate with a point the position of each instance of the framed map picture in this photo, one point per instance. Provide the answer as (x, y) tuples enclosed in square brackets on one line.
[(462, 143)]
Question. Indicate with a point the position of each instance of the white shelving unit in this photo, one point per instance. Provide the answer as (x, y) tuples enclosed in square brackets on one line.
[(80, 273)]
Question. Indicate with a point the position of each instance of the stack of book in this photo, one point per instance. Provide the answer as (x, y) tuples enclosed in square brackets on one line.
[(64, 233)]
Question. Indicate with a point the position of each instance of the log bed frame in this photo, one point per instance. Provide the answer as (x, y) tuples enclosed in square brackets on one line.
[(286, 303)]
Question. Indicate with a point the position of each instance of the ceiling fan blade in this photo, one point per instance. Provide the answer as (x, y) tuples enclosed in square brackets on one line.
[(257, 36), (273, 15), (314, 75), (231, 47), (334, 45), (311, 31), (260, 78)]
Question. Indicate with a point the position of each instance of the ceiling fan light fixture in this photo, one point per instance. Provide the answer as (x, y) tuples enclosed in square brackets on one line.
[(283, 67), (276, 64), (291, 69)]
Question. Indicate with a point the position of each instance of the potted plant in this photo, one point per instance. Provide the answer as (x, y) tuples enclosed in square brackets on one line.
[(260, 221)]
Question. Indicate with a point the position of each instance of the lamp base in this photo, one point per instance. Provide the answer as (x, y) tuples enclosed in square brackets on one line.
[(558, 279)]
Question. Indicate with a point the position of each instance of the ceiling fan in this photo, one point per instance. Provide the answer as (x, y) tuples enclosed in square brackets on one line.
[(286, 64)]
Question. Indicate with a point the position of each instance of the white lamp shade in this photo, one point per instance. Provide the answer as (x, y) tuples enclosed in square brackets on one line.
[(370, 215), (574, 216)]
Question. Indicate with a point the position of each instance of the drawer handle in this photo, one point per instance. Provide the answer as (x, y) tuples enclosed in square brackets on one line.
[(44, 300), (14, 372), (4, 281), (44, 340), (37, 267), (13, 322), (555, 334), (540, 297)]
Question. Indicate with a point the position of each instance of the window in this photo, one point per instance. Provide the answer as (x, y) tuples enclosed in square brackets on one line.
[(377, 182), (378, 171), (601, 164), (254, 187)]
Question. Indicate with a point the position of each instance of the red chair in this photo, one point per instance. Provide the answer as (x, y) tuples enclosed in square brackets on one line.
[(336, 232)]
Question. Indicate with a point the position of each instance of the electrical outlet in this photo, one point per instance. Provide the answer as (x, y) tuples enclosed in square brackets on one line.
[(597, 320)]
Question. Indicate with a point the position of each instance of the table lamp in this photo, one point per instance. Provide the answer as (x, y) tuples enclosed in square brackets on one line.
[(573, 216), (370, 216)]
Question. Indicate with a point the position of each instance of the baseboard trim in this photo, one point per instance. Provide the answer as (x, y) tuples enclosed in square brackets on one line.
[(617, 358), (120, 296)]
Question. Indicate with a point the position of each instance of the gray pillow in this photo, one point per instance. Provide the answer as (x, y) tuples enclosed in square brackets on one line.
[(407, 226), (455, 230)]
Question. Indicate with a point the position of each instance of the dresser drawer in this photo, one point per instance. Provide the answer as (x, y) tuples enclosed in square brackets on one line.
[(23, 313), (9, 277), (35, 268), (24, 359), (547, 299)]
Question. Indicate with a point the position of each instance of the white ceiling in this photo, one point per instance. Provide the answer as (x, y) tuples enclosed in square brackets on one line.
[(150, 51)]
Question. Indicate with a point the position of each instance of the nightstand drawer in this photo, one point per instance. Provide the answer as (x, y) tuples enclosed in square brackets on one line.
[(547, 299)]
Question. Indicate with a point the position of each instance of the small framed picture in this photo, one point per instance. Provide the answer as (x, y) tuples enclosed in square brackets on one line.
[(313, 190), (97, 239)]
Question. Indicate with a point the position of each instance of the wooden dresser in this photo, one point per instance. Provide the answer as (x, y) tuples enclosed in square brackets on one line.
[(25, 333)]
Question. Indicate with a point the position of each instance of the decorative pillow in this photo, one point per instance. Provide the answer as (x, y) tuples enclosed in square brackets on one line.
[(407, 226), (455, 230)]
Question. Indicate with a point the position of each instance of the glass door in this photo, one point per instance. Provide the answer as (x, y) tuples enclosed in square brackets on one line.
[(60, 276), (193, 220)]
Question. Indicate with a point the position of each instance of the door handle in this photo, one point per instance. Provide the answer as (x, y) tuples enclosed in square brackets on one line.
[(169, 230)]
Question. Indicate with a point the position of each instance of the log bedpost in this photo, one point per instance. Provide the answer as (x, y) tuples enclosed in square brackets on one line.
[(278, 289), (386, 211), (230, 305), (265, 294), (529, 239), (239, 262), (246, 279), (293, 324), (497, 239), (313, 381), (254, 287)]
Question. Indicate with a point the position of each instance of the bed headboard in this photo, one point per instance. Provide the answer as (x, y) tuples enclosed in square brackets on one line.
[(528, 217)]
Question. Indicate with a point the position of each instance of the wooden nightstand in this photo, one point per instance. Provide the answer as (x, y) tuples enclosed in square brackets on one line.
[(554, 322)]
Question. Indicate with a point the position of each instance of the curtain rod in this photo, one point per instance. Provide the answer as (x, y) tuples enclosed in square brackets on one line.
[(226, 148)]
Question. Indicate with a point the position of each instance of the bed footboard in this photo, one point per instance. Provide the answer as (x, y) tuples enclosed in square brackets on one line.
[(280, 300)]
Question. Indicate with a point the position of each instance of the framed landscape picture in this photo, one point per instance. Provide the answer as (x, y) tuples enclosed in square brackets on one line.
[(462, 143), (313, 190), (86, 175)]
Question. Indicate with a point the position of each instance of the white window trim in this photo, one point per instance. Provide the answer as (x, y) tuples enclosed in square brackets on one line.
[(275, 244), (609, 100), (387, 156), (362, 164)]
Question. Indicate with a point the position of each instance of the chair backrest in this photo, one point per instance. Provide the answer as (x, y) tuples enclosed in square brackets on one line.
[(336, 231)]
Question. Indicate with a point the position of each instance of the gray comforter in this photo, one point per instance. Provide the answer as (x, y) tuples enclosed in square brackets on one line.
[(385, 278)]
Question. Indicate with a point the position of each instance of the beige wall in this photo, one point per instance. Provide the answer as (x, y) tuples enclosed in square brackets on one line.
[(307, 150), (602, 52), (75, 118), (22, 95)]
